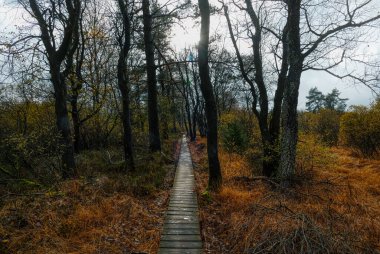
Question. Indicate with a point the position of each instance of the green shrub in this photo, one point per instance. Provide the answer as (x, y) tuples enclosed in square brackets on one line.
[(324, 124), (360, 129), (234, 136), (327, 126), (24, 155)]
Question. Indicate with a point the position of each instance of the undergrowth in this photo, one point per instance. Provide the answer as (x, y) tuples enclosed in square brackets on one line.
[(333, 207), (105, 210)]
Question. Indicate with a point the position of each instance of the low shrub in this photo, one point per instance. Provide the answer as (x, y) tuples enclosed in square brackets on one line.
[(360, 129), (325, 124), (234, 134)]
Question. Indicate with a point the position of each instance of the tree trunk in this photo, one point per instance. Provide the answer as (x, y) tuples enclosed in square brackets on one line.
[(215, 176), (126, 114), (184, 121), (196, 102), (270, 131), (166, 103), (62, 120), (154, 131), (122, 81), (194, 126), (289, 108), (127, 128), (173, 110), (76, 123), (56, 56)]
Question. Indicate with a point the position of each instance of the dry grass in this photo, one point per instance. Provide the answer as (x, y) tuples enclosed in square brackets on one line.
[(81, 220), (105, 213), (334, 209)]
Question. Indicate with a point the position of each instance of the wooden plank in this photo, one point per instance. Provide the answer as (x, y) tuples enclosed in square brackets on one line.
[(182, 213), (183, 205), (182, 238), (182, 220), (184, 217), (181, 195), (181, 245), (179, 251), (181, 226), (182, 198), (181, 231)]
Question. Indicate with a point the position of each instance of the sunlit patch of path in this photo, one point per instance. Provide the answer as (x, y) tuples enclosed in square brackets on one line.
[(181, 233)]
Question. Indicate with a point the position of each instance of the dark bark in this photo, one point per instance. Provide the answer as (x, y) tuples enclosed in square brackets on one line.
[(187, 92), (195, 102), (271, 167), (56, 57), (173, 110), (289, 107), (123, 83), (215, 176), (76, 123), (269, 124), (154, 131), (62, 121), (201, 122), (76, 85), (269, 134), (166, 96), (184, 120)]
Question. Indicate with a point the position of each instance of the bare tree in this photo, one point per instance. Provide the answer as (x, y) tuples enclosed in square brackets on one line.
[(303, 35), (124, 41), (55, 18), (309, 47), (215, 176), (154, 128), (269, 124)]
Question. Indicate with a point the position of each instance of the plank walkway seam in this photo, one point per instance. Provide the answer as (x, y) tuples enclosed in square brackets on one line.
[(181, 230)]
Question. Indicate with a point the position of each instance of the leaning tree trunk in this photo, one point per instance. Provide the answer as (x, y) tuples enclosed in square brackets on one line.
[(154, 131), (215, 176), (289, 109)]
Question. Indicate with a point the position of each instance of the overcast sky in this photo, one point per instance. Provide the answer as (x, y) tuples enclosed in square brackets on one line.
[(358, 94), (11, 16)]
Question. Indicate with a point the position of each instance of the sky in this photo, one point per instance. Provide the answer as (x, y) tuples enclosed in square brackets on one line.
[(11, 15), (187, 35)]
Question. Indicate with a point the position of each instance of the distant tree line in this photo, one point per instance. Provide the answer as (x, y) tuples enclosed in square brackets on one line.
[(316, 101)]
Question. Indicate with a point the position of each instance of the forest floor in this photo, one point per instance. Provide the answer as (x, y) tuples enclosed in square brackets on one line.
[(333, 207), (106, 211)]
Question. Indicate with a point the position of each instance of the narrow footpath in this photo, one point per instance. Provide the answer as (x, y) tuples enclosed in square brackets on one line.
[(181, 233)]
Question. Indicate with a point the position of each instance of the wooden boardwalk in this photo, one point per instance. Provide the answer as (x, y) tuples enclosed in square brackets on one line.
[(181, 233)]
